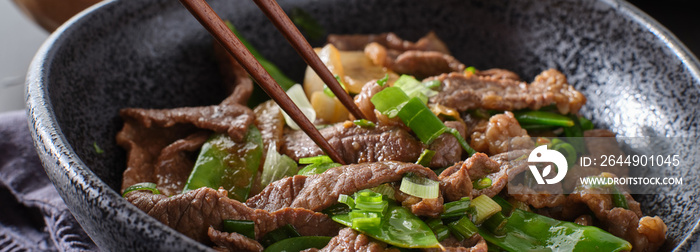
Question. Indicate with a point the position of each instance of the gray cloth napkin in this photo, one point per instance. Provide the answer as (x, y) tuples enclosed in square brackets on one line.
[(33, 217)]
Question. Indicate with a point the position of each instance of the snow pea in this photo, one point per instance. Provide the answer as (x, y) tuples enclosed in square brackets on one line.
[(527, 231), (225, 163), (299, 244), (399, 227)]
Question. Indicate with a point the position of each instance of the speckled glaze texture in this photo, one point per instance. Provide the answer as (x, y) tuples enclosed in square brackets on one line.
[(639, 80)]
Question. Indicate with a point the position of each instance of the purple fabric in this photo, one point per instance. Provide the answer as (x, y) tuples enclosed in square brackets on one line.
[(33, 217)]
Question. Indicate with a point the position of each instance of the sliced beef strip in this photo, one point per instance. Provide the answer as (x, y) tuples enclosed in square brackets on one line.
[(601, 142), (430, 42), (456, 181), (420, 64), (502, 133), (192, 214), (175, 163), (363, 102), (472, 92), (147, 131), (498, 73), (349, 240), (270, 122), (447, 149), (320, 191), (357, 144), (233, 241)]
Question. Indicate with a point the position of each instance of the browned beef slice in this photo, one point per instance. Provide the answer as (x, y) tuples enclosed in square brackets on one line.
[(270, 122), (456, 181), (472, 92), (601, 142), (502, 133), (424, 64), (446, 147), (349, 240), (497, 73), (192, 214), (233, 241), (430, 42), (644, 232), (320, 191), (363, 102), (175, 163), (357, 144)]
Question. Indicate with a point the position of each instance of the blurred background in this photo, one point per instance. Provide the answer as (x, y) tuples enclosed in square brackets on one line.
[(25, 24)]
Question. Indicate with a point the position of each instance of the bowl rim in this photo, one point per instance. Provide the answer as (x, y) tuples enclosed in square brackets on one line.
[(56, 152)]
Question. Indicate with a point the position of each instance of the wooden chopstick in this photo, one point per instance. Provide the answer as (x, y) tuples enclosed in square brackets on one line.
[(274, 12), (213, 23)]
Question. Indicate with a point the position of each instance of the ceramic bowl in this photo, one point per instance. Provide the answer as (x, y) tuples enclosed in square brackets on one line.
[(639, 80)]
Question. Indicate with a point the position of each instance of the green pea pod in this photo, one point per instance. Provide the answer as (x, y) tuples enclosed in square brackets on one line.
[(527, 231), (228, 164), (544, 118), (296, 244), (399, 227)]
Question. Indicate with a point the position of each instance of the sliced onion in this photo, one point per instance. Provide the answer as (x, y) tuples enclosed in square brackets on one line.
[(296, 93)]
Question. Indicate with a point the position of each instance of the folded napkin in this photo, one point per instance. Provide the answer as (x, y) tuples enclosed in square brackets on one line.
[(33, 217)]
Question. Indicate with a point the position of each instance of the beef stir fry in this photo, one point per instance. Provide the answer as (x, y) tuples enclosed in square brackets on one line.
[(428, 170)]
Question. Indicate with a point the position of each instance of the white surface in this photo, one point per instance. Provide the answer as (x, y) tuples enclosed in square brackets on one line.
[(20, 38)]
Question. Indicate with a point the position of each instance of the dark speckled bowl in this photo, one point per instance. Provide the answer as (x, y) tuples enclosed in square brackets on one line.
[(638, 78)]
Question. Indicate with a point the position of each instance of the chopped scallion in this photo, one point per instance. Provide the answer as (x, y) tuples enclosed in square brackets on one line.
[(420, 187), (347, 200), (482, 183), (463, 228), (316, 159), (441, 231), (496, 224), (381, 82), (455, 208), (426, 157), (485, 208), (364, 123)]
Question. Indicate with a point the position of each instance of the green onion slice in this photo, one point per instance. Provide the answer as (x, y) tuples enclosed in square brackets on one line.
[(485, 208), (142, 186), (463, 228), (482, 183), (426, 157), (420, 187), (316, 159), (364, 123), (244, 227)]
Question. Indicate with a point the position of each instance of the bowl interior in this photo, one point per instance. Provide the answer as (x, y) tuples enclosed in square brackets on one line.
[(638, 80)]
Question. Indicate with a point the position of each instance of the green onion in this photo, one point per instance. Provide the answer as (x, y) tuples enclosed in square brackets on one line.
[(544, 118), (385, 190), (362, 219), (455, 208), (441, 231), (470, 69), (496, 224), (367, 200), (299, 244), (506, 207), (426, 157), (306, 23), (485, 208), (317, 168), (244, 227), (296, 93), (279, 234), (482, 183), (585, 123), (316, 159), (347, 200), (276, 74), (414, 88), (276, 166), (140, 187), (329, 92), (433, 84), (463, 228), (381, 82), (420, 187), (98, 150), (565, 149), (619, 199), (527, 126), (364, 123), (389, 101)]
